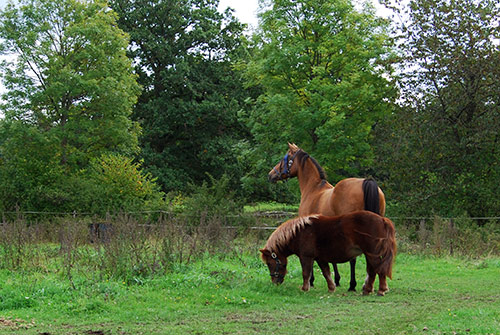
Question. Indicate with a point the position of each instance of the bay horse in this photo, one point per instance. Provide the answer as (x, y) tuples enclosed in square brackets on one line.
[(337, 239), (318, 196)]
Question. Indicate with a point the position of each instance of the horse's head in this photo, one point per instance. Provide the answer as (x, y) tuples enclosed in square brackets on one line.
[(276, 264), (286, 168)]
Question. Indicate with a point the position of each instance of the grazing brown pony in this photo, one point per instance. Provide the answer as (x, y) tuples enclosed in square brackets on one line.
[(336, 239), (318, 196)]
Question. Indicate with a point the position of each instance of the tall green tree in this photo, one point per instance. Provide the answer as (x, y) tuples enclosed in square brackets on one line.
[(322, 66), (184, 53), (70, 92), (443, 144)]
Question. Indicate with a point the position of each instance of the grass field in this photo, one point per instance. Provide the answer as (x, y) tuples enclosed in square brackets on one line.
[(232, 294)]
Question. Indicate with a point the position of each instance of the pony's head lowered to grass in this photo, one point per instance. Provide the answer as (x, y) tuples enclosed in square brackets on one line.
[(272, 253)]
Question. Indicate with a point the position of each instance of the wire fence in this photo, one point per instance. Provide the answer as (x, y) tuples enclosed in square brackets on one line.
[(153, 216)]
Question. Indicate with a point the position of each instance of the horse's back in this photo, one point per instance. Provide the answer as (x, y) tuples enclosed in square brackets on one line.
[(356, 228), (348, 196)]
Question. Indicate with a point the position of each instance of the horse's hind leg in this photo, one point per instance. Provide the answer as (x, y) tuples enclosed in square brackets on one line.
[(370, 278), (352, 284), (325, 268), (336, 274), (382, 285)]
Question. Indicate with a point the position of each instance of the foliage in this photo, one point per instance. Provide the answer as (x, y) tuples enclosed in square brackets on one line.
[(322, 67), (76, 84), (30, 171), (69, 99), (440, 149), (214, 200), (119, 184), (184, 51)]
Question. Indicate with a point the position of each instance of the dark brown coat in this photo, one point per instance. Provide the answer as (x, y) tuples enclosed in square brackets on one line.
[(333, 240)]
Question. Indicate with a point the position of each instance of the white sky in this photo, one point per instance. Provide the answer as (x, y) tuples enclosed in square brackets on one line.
[(244, 10)]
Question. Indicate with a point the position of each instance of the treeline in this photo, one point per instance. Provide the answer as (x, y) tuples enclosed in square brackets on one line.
[(134, 105)]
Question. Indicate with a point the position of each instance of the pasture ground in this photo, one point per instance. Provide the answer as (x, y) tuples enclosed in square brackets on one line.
[(232, 294)]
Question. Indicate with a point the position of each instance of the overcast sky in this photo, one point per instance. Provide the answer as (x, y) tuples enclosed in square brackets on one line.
[(244, 10)]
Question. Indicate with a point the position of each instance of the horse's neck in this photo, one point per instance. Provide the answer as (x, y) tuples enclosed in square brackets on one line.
[(310, 179)]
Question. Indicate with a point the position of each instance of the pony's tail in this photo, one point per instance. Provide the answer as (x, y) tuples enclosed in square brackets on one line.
[(388, 249), (371, 196)]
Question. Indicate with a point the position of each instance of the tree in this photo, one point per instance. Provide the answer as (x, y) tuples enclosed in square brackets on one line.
[(322, 66), (70, 94), (444, 141), (184, 53)]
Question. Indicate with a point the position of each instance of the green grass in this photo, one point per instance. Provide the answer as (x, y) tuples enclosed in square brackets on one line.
[(233, 295), (270, 206)]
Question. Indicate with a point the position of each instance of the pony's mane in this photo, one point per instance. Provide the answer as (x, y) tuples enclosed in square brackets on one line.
[(302, 156), (286, 231)]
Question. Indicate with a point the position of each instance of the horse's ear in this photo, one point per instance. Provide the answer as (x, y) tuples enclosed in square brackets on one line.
[(293, 147), (265, 253)]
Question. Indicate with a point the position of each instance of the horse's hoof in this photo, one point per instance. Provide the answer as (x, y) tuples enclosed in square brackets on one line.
[(380, 293), (366, 291), (351, 290)]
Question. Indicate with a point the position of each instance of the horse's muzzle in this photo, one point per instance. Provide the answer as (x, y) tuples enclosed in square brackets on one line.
[(272, 177), (277, 280)]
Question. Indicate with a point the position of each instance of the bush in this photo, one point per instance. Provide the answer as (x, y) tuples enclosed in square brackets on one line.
[(115, 183), (216, 201)]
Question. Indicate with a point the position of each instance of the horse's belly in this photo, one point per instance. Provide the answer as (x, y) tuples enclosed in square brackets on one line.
[(342, 256)]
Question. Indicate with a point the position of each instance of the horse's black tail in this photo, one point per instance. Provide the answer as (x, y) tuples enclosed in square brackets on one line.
[(370, 190)]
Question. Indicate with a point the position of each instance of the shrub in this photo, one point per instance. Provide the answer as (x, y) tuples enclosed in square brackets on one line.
[(118, 184), (214, 201)]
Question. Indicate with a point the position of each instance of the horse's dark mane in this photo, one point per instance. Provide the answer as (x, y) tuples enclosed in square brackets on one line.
[(302, 156)]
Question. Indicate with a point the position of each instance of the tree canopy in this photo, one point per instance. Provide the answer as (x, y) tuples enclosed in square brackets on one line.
[(183, 51), (111, 104), (323, 69), (70, 96), (442, 147)]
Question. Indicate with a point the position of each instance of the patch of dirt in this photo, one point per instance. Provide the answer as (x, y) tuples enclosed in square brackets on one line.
[(16, 323), (97, 332)]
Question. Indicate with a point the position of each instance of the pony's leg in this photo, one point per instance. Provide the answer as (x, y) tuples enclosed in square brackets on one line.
[(370, 278), (311, 281), (325, 268), (352, 284), (382, 285), (336, 273), (307, 266)]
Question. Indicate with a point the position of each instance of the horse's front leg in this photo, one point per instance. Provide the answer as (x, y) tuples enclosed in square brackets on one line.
[(382, 285), (325, 268), (307, 266), (370, 278)]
